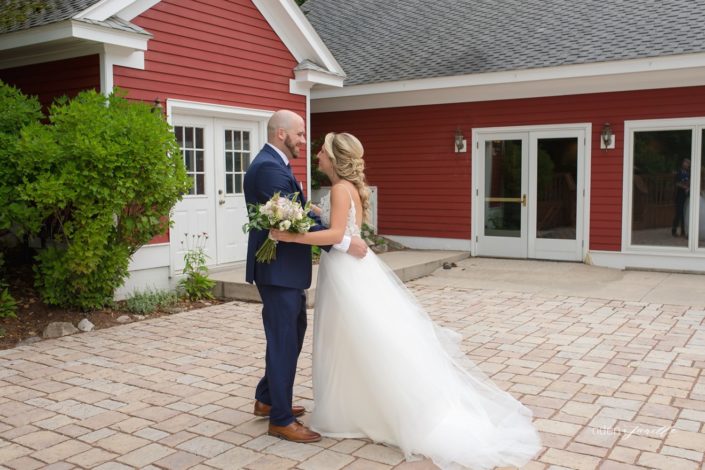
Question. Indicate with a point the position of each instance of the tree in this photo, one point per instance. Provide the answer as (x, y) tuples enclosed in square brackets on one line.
[(18, 11)]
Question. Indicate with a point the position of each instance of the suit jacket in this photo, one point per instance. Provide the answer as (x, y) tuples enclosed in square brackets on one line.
[(292, 268)]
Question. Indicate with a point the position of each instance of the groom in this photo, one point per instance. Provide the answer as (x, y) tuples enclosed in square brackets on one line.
[(281, 283)]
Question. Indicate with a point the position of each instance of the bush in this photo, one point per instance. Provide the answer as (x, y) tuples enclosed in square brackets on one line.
[(18, 111), (149, 301), (8, 305), (101, 179)]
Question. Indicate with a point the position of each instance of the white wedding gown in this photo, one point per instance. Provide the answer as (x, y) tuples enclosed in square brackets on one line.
[(383, 370)]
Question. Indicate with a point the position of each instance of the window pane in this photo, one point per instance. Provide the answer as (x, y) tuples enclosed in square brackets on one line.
[(188, 139), (238, 184), (192, 190), (503, 188), (228, 161), (245, 141), (199, 137), (237, 139), (229, 184), (188, 159), (200, 184), (245, 161), (179, 133), (228, 140), (659, 195), (238, 161), (556, 188), (199, 160)]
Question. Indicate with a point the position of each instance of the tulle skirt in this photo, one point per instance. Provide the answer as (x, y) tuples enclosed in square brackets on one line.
[(383, 370)]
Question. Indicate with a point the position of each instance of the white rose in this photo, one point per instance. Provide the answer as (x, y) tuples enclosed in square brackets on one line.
[(284, 225)]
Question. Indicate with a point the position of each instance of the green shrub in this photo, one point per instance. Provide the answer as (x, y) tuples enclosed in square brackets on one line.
[(101, 178), (196, 285), (18, 111), (149, 301)]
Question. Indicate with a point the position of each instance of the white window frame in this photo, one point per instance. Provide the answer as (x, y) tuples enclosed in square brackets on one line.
[(696, 125)]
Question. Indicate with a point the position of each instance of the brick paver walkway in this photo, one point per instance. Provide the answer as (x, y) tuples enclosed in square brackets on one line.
[(613, 385)]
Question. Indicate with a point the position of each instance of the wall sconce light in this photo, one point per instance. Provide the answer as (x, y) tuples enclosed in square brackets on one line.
[(157, 106), (606, 137), (460, 142)]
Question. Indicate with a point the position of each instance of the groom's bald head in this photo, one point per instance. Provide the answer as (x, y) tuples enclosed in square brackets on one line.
[(286, 131)]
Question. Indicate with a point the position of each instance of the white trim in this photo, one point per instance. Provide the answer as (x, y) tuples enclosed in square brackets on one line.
[(103, 9), (696, 126), (308, 146), (194, 108), (150, 256), (661, 72), (657, 261), (430, 243), (135, 9), (475, 156), (297, 34), (125, 9), (40, 54)]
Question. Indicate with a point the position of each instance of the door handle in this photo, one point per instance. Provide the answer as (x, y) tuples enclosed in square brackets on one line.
[(221, 199), (523, 200)]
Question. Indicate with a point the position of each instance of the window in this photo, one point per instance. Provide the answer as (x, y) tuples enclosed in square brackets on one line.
[(190, 140), (237, 159), (665, 199)]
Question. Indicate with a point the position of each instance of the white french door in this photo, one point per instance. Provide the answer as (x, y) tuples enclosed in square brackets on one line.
[(529, 193), (216, 153)]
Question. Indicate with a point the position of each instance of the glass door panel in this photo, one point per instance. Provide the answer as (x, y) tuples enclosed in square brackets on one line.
[(503, 189), (556, 188), (701, 199)]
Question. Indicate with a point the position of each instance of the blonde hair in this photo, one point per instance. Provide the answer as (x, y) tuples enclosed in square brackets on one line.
[(345, 152)]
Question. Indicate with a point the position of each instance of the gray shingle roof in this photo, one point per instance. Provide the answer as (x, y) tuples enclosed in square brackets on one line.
[(56, 10), (389, 40)]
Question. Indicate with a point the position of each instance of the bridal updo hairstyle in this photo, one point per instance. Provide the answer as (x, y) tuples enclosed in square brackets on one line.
[(345, 152)]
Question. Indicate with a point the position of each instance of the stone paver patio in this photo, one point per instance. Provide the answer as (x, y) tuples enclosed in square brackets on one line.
[(613, 385)]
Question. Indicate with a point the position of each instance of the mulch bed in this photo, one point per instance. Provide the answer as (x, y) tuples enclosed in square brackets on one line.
[(33, 315)]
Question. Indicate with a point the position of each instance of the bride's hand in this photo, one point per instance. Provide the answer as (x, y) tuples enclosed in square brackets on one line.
[(281, 235)]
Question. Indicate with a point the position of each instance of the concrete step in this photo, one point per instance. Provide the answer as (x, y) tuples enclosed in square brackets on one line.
[(407, 264)]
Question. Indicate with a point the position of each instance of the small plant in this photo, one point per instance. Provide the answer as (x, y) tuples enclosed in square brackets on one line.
[(315, 254), (196, 285), (143, 303), (8, 305)]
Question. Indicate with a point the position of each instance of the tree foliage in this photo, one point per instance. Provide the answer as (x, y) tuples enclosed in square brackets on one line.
[(99, 180), (18, 11)]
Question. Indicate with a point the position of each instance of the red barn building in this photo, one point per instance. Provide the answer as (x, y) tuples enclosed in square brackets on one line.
[(547, 130), (219, 68)]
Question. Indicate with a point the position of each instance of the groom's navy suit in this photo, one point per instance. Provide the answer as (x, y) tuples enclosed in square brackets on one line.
[(281, 285)]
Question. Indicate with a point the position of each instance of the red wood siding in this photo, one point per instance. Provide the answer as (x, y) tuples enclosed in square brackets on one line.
[(50, 80), (214, 51), (424, 186)]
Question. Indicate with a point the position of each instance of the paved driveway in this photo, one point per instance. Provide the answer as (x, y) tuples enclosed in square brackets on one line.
[(613, 384)]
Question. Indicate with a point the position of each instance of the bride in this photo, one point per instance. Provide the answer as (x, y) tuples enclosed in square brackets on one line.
[(381, 368)]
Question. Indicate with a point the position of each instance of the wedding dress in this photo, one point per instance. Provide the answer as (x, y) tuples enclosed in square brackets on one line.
[(383, 370)]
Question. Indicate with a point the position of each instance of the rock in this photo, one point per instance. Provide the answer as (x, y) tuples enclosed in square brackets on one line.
[(124, 319), (30, 340), (85, 325), (447, 266), (58, 329), (172, 310), (140, 317)]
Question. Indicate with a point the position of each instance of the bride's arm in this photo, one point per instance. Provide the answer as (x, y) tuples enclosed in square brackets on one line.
[(340, 205)]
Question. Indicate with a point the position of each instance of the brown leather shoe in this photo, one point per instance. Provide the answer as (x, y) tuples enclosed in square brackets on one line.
[(294, 432), (262, 409)]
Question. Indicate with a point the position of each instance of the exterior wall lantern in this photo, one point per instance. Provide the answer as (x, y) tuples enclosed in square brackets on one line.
[(606, 137), (460, 142)]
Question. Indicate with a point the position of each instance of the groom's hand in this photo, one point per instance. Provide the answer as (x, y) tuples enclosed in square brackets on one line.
[(358, 247)]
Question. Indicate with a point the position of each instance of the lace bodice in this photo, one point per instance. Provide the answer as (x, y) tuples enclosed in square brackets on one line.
[(351, 228)]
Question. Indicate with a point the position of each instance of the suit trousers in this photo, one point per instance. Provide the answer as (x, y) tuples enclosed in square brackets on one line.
[(284, 319)]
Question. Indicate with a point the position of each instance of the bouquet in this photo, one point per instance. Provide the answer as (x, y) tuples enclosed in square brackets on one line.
[(279, 213)]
